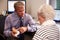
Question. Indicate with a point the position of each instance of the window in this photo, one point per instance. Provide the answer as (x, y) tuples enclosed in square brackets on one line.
[(11, 5), (56, 5)]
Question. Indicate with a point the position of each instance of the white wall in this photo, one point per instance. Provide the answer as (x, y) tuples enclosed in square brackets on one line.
[(33, 5), (3, 5)]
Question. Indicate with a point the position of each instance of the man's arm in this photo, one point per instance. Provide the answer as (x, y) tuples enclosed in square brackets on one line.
[(7, 27), (32, 25)]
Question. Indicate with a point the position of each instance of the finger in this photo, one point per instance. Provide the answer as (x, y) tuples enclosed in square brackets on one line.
[(12, 34), (21, 30)]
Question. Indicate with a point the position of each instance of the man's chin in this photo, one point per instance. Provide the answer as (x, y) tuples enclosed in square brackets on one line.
[(20, 15)]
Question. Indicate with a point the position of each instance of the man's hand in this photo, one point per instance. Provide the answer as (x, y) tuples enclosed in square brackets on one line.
[(13, 32), (22, 29)]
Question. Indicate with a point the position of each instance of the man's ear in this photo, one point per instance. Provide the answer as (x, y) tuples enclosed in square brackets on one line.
[(15, 10)]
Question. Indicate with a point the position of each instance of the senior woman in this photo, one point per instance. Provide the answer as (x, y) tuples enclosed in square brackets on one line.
[(48, 29)]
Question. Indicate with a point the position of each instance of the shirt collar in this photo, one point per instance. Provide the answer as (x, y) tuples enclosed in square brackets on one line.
[(18, 16), (48, 22)]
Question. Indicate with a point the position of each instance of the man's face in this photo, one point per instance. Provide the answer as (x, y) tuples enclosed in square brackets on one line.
[(20, 10)]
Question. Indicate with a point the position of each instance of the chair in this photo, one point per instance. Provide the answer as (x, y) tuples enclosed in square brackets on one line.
[(2, 22)]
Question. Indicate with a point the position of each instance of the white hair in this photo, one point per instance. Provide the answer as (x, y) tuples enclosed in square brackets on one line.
[(47, 11)]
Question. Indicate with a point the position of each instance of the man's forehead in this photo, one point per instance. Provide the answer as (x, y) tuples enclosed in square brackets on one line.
[(20, 6)]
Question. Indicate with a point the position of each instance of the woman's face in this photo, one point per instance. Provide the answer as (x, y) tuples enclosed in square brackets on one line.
[(41, 18)]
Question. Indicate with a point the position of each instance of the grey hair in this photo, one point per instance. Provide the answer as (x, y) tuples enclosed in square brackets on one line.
[(47, 11), (18, 4)]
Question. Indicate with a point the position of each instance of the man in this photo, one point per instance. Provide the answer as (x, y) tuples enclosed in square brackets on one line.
[(19, 22)]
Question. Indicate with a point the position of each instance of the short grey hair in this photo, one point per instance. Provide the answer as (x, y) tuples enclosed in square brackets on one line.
[(19, 3), (47, 11)]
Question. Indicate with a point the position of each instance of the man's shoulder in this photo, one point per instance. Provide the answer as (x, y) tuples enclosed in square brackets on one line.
[(10, 15), (27, 15)]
